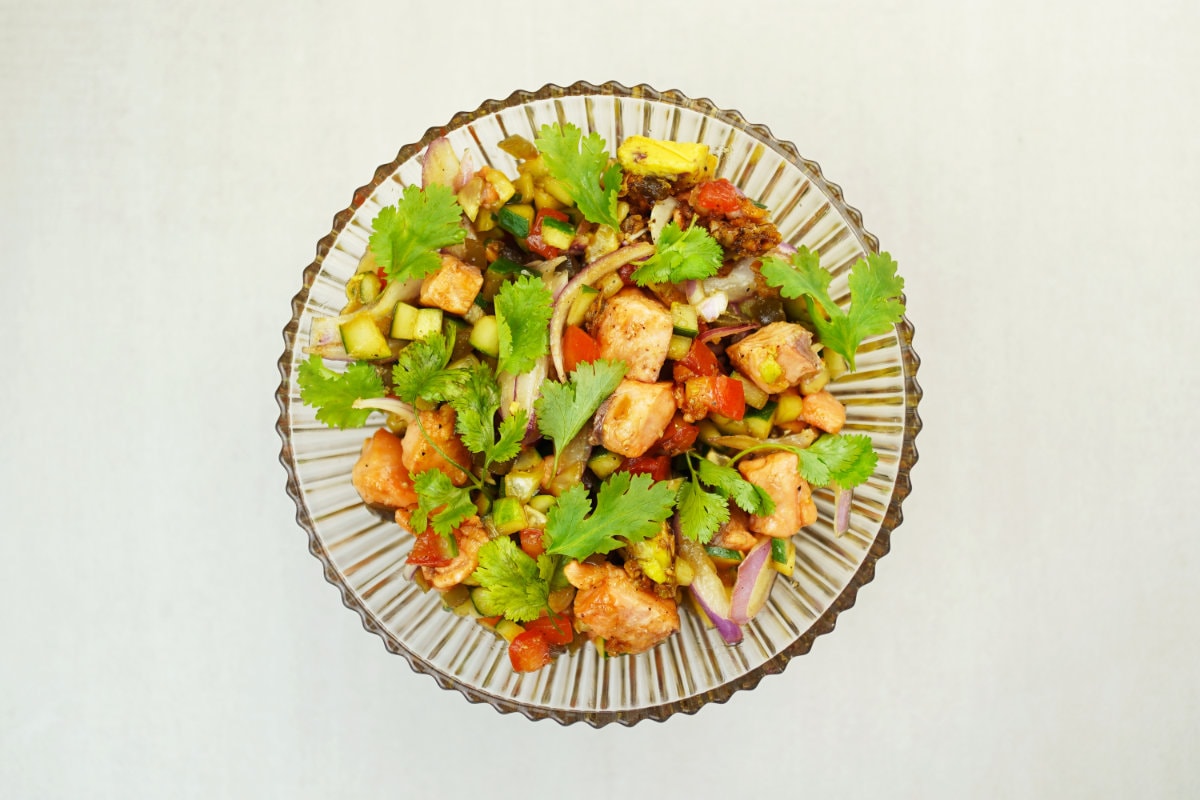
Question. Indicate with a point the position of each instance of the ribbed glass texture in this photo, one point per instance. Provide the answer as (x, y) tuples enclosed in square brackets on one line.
[(364, 555)]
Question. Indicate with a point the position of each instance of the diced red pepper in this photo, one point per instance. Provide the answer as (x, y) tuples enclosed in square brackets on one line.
[(578, 348), (529, 651), (676, 439), (381, 273), (657, 467), (535, 242), (729, 397), (430, 550), (717, 197), (698, 361), (533, 542), (556, 629)]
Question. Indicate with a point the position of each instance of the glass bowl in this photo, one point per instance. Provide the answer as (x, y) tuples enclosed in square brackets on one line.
[(363, 555)]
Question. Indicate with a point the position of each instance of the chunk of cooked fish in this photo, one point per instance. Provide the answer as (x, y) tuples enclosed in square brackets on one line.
[(380, 476), (635, 416), (775, 357), (453, 286), (470, 536), (420, 453), (635, 329), (611, 606), (777, 474)]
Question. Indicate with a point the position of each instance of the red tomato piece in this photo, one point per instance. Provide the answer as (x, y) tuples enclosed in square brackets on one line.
[(718, 197), (535, 242), (555, 629), (657, 467), (699, 360), (529, 652), (533, 542), (578, 348), (729, 397), (676, 439), (430, 550)]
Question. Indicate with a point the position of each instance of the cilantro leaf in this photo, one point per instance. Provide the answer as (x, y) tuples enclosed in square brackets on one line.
[(333, 394), (440, 503), (680, 256), (405, 237), (420, 371), (632, 507), (475, 406), (875, 290), (842, 459), (582, 165), (701, 513), (564, 408), (727, 480), (510, 582), (523, 313)]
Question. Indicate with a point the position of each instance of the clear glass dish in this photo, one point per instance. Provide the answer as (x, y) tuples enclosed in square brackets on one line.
[(364, 555)]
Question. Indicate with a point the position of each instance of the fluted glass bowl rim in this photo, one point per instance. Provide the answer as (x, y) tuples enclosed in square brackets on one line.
[(687, 705)]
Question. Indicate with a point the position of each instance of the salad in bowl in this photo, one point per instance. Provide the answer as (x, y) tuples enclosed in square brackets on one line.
[(599, 386)]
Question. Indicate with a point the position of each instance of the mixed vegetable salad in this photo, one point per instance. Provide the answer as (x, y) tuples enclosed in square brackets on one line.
[(603, 384)]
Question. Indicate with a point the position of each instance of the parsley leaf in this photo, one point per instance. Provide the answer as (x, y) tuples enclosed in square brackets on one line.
[(680, 256), (405, 237), (333, 394), (434, 492), (842, 459), (701, 513), (510, 582), (420, 371), (582, 165), (475, 406), (875, 290), (564, 408), (727, 480), (632, 507), (523, 314)]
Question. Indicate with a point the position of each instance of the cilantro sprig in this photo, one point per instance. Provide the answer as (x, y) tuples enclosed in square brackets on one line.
[(420, 371), (844, 459), (582, 165), (523, 311), (333, 394), (511, 582), (632, 507), (475, 405), (875, 291), (440, 504), (564, 408), (405, 237), (681, 256), (703, 512)]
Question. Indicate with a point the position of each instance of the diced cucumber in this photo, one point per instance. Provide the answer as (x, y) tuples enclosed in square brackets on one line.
[(583, 301), (723, 554), (429, 322), (556, 233), (455, 596), (791, 405), (603, 463), (513, 222), (542, 502), (485, 604), (783, 556), (679, 347), (759, 421), (485, 336), (521, 486), (509, 629), (457, 336), (505, 266), (362, 338), (404, 321), (685, 320), (508, 515)]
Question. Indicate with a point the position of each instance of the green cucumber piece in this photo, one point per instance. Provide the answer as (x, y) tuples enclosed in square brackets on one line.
[(679, 347), (579, 308), (485, 336), (404, 321), (603, 463), (685, 320), (362, 338), (723, 553), (508, 515), (557, 233), (512, 222), (429, 322), (759, 420)]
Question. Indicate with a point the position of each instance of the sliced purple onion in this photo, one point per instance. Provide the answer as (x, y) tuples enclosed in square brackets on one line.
[(523, 391), (706, 586), (439, 164), (727, 330), (841, 512), (755, 578), (712, 306), (391, 405)]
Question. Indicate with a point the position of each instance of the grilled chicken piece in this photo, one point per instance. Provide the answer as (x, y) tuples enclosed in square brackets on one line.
[(777, 474), (419, 453), (776, 357), (471, 536), (635, 416), (612, 606), (637, 330), (452, 287), (380, 476)]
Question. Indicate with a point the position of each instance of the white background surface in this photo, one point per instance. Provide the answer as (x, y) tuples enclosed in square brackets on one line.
[(167, 171)]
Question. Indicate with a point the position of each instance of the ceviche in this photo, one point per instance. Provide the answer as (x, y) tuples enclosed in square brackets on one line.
[(603, 387)]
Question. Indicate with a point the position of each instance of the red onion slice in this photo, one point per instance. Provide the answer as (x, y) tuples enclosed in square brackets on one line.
[(841, 513), (706, 586), (440, 164), (727, 330), (753, 585)]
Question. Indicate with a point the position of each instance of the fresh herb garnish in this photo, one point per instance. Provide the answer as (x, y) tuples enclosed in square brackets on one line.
[(405, 237), (511, 583), (564, 408), (333, 394), (420, 371), (523, 314), (475, 404), (582, 165), (440, 504), (680, 256), (630, 507), (842, 459), (875, 291), (702, 512)]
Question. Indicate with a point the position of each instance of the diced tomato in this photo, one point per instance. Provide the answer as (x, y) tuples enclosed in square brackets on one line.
[(381, 273), (529, 652), (533, 542), (729, 397), (699, 360), (657, 467), (578, 348), (717, 197), (676, 439), (430, 550), (535, 241), (556, 629)]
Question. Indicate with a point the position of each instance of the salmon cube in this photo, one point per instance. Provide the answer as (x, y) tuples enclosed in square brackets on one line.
[(823, 410), (776, 357), (777, 474), (452, 287), (635, 417), (635, 329), (380, 476), (421, 455)]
